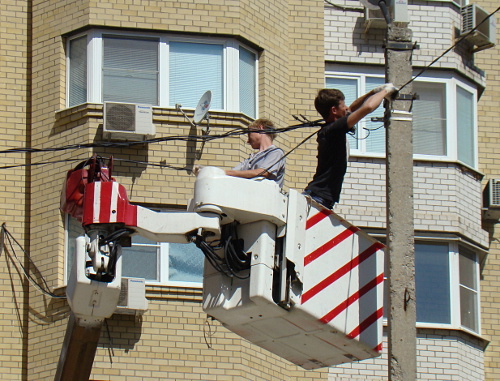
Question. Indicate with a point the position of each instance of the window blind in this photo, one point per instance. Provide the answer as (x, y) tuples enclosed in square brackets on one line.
[(77, 71), (130, 70), (247, 83), (194, 69)]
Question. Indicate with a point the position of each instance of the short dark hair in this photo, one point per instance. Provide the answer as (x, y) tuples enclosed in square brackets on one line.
[(326, 99), (267, 124)]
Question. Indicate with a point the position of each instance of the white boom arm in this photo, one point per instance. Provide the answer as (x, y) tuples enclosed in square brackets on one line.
[(287, 274)]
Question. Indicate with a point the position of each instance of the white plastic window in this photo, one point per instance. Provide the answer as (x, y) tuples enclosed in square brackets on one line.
[(444, 116), (161, 70), (446, 285), (446, 282)]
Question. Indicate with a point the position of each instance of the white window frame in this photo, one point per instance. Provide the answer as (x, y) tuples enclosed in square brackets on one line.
[(162, 270), (231, 98), (451, 83), (454, 297), (455, 309)]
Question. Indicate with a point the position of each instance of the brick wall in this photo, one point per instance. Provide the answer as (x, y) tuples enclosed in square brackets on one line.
[(446, 198), (289, 35), (168, 342), (434, 27), (14, 108), (441, 355), (489, 161)]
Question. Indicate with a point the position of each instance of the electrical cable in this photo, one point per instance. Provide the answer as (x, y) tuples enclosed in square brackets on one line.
[(344, 8), (186, 138), (449, 49), (44, 287), (39, 163), (235, 258), (288, 153)]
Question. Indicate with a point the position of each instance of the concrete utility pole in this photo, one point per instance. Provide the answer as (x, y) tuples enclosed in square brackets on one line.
[(401, 308)]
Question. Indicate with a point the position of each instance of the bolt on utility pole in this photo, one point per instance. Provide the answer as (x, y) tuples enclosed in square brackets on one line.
[(401, 308)]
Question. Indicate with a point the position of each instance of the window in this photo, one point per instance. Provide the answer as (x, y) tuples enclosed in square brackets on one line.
[(446, 286), (432, 283), (158, 262), (444, 116), (130, 70), (77, 71), (469, 294), (446, 282), (161, 70)]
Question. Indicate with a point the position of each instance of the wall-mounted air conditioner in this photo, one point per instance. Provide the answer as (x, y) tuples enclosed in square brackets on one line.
[(132, 299), (484, 36), (128, 121), (374, 19), (491, 197)]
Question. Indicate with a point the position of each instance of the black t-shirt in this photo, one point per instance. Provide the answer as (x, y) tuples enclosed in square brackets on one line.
[(332, 160)]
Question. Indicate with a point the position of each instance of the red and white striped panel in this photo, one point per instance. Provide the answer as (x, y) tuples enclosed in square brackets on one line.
[(343, 277), (107, 202)]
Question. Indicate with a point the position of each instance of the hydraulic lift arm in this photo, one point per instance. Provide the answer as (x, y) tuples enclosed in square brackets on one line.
[(281, 270)]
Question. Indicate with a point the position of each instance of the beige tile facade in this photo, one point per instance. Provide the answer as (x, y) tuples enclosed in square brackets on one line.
[(489, 153), (174, 340), (14, 198)]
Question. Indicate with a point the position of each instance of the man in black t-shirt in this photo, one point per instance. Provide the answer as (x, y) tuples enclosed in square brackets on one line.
[(339, 119)]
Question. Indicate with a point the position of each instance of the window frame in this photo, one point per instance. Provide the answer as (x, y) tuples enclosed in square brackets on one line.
[(455, 285), (451, 83), (454, 246), (230, 59)]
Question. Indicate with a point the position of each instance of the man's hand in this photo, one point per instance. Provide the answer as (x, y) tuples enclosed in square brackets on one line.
[(378, 89), (389, 87), (392, 91)]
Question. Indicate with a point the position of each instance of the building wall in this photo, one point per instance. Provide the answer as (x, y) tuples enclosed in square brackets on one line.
[(14, 118), (489, 160), (447, 196), (289, 35), (175, 340), (442, 198), (170, 340), (441, 355), (434, 25)]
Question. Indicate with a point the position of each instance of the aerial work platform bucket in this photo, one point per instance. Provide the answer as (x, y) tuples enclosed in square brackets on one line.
[(314, 291)]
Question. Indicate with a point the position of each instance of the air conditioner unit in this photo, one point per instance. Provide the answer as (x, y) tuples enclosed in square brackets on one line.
[(374, 19), (128, 121), (491, 197), (484, 36), (132, 299)]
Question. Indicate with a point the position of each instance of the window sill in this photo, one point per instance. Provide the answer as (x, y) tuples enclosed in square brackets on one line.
[(420, 159), (480, 341), (160, 292), (447, 331), (218, 118)]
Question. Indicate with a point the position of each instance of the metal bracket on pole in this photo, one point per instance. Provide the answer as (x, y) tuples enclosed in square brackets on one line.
[(402, 116), (401, 45), (407, 97)]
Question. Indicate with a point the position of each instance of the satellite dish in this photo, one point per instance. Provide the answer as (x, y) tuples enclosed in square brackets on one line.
[(202, 108)]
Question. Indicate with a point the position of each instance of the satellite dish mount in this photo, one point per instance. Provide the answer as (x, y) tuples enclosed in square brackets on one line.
[(201, 111)]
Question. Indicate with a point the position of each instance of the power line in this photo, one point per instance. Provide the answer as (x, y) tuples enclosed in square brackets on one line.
[(449, 49), (39, 163), (187, 138), (43, 287)]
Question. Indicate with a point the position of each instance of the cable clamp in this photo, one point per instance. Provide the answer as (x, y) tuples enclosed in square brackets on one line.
[(402, 116)]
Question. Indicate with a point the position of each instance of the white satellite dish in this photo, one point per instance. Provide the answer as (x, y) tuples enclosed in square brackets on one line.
[(203, 106)]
